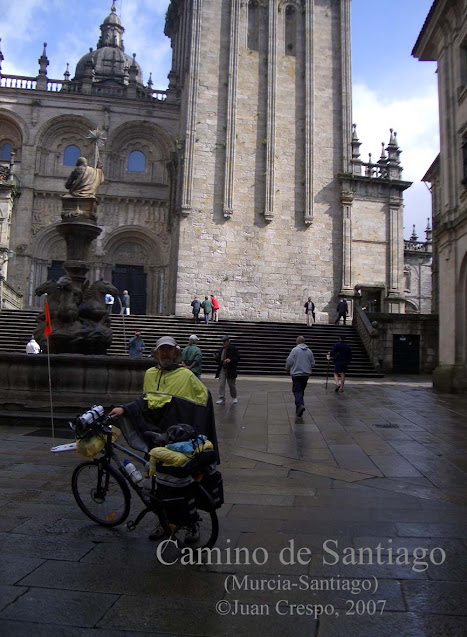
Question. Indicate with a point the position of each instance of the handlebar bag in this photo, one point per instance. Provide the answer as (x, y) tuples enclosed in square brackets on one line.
[(92, 445)]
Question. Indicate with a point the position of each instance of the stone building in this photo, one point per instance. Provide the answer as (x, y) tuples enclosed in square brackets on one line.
[(243, 179), (418, 273), (443, 39)]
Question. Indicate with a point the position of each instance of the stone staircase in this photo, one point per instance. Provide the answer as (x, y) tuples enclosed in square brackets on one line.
[(263, 346)]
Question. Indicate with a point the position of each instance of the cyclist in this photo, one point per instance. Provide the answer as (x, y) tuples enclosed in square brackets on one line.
[(172, 395)]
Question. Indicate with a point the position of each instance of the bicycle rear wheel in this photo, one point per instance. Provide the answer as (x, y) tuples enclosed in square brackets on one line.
[(101, 493), (202, 534)]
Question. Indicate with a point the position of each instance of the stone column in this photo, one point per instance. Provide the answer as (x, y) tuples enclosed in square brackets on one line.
[(347, 200), (309, 111), (271, 112), (192, 81), (231, 110)]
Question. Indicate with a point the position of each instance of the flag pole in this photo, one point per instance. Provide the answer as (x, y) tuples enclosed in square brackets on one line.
[(47, 333)]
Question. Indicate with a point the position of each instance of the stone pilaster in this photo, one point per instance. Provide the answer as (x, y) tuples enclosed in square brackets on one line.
[(192, 79), (231, 110), (309, 111), (347, 200), (271, 113), (395, 299), (346, 70)]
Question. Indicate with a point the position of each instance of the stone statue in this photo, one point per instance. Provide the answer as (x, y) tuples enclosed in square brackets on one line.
[(84, 180)]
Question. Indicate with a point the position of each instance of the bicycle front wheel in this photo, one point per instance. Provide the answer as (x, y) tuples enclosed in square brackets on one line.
[(101, 493)]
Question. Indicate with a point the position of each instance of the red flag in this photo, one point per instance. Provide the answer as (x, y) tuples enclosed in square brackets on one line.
[(48, 325)]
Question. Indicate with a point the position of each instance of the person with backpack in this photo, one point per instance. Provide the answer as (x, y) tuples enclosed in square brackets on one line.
[(309, 311), (196, 305)]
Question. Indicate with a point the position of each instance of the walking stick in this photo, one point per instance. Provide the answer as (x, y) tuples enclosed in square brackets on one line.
[(327, 373)]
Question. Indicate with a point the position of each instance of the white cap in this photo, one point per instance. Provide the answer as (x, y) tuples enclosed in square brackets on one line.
[(166, 340), (193, 337)]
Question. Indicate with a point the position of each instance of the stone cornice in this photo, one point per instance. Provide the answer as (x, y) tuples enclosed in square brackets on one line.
[(349, 180)]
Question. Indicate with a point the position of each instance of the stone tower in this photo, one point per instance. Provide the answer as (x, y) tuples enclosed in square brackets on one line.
[(265, 138)]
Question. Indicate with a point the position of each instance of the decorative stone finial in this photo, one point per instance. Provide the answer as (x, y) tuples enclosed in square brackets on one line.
[(428, 231), (150, 82), (66, 75), (1, 55), (43, 61), (113, 7), (414, 235)]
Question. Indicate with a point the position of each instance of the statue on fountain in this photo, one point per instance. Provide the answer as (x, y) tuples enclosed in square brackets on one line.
[(84, 180), (80, 322)]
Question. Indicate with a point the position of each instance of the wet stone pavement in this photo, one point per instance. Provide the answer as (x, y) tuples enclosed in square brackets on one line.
[(350, 520)]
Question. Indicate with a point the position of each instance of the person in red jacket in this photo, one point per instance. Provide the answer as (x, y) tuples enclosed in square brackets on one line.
[(215, 308)]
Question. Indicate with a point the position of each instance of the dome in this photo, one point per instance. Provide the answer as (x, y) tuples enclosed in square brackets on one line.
[(109, 60), (109, 63), (112, 19)]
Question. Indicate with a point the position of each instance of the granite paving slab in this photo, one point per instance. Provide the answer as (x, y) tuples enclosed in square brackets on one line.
[(64, 607), (307, 467)]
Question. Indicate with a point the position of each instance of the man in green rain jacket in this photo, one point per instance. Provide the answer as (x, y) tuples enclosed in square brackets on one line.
[(172, 395)]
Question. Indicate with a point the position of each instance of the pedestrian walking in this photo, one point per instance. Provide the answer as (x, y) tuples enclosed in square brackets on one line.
[(207, 309), (227, 358), (299, 363), (136, 346), (341, 354), (126, 302), (192, 356), (309, 311), (342, 311), (109, 302), (32, 346), (196, 305), (215, 308)]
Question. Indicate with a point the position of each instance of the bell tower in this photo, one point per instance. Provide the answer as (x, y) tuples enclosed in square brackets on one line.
[(265, 137)]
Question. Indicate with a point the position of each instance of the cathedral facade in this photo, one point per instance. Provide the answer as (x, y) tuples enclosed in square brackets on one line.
[(243, 179)]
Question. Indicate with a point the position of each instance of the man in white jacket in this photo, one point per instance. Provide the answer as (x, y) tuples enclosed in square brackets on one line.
[(299, 363)]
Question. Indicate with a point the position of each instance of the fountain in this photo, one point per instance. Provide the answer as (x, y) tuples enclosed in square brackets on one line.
[(79, 319)]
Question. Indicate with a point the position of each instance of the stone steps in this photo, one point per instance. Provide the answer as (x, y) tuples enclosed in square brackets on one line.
[(263, 346)]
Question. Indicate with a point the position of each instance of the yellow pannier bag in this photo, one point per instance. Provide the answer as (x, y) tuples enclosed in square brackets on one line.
[(91, 446)]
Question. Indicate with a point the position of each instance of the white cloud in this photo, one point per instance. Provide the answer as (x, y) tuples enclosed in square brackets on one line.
[(415, 119)]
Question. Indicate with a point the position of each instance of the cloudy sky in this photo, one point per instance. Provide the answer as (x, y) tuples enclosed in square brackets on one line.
[(390, 88)]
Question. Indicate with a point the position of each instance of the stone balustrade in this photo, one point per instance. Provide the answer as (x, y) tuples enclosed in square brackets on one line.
[(18, 82)]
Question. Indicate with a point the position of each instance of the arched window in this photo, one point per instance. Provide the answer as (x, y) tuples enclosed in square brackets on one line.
[(136, 162), (290, 30), (253, 26), (6, 152), (71, 155)]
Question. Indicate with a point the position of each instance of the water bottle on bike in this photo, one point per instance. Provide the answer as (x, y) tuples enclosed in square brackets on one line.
[(135, 475)]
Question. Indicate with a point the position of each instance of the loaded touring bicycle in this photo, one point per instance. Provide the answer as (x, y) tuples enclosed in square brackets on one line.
[(182, 492)]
